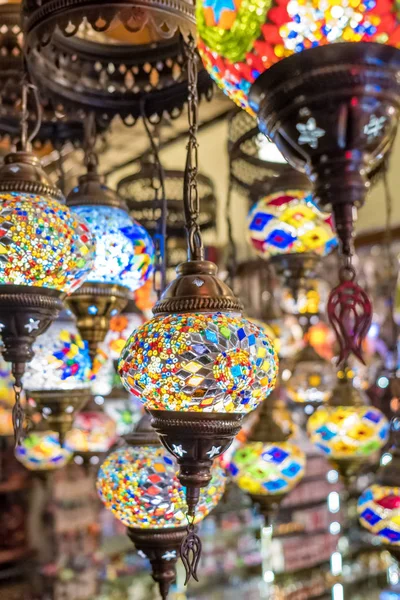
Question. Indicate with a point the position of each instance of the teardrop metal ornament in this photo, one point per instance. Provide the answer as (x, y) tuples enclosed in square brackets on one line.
[(191, 553)]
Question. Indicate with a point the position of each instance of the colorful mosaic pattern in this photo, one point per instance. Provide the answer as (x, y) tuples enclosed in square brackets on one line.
[(240, 39), (92, 432), (311, 381), (269, 331), (263, 468), (41, 451), (289, 223), (379, 512), (43, 243), (125, 412), (199, 362), (61, 360), (124, 250), (348, 431), (121, 327), (141, 488)]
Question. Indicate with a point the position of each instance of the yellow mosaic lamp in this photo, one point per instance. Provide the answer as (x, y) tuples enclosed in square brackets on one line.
[(347, 431)]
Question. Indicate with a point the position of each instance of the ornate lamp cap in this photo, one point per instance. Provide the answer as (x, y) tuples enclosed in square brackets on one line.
[(91, 191), (197, 289), (23, 172), (143, 434)]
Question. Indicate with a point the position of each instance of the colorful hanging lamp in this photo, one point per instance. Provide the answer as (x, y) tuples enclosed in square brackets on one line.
[(379, 505), (268, 465), (41, 451), (57, 380), (312, 378), (347, 431), (123, 261), (139, 484), (91, 437), (286, 228), (197, 365), (274, 60), (46, 252)]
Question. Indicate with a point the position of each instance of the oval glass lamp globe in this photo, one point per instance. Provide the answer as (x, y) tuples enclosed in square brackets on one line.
[(211, 362), (379, 511), (61, 360), (139, 485), (92, 432), (289, 223), (41, 451), (265, 469), (43, 243), (124, 249), (240, 40), (348, 431)]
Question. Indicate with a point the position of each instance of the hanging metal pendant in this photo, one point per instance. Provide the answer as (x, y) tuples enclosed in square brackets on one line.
[(350, 314)]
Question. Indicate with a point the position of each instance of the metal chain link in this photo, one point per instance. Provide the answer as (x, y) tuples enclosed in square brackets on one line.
[(18, 416), (158, 185), (191, 198)]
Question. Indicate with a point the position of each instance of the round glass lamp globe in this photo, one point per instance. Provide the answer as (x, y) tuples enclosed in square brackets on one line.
[(267, 468), (379, 511), (92, 432), (124, 249), (240, 40), (139, 485), (289, 223), (41, 451), (311, 381), (61, 360), (199, 362), (43, 243), (348, 431)]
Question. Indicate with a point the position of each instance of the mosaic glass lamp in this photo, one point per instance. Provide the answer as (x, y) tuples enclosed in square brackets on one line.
[(337, 137), (288, 229), (139, 484), (41, 451), (347, 431), (379, 505), (313, 378), (123, 261), (92, 436), (57, 380), (46, 252), (268, 465)]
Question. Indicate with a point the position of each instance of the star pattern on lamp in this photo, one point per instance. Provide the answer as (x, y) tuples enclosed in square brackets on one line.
[(214, 451), (309, 133), (169, 555), (178, 450), (374, 126), (32, 325)]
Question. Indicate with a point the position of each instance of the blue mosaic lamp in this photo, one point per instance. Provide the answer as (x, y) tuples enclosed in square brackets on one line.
[(123, 261), (268, 465)]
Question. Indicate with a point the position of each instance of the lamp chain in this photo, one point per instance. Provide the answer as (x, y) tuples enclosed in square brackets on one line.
[(160, 198), (91, 159), (26, 138), (18, 415), (191, 200), (232, 258)]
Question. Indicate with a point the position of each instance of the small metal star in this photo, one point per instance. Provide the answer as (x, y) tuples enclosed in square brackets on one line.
[(2, 326), (33, 324), (309, 133), (178, 450), (169, 555), (374, 126), (198, 282), (214, 451)]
